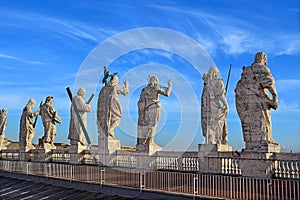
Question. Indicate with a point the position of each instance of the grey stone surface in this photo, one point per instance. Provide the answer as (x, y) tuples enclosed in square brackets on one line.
[(3, 124), (76, 134), (109, 113), (253, 104), (49, 118), (149, 113), (27, 126), (214, 108)]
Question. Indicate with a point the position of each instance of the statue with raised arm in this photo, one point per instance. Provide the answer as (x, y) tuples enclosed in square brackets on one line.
[(27, 126), (109, 108), (253, 103), (76, 134), (3, 124), (149, 111), (49, 118), (214, 108)]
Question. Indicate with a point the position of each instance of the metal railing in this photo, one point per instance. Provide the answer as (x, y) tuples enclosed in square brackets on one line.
[(193, 184)]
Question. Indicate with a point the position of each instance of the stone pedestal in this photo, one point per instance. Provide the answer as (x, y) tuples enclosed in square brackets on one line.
[(262, 146), (211, 164), (149, 149), (108, 145), (25, 152), (24, 155), (48, 146), (143, 160), (205, 149), (76, 151), (256, 164)]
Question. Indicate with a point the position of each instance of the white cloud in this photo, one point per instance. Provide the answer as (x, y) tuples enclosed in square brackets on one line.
[(20, 59), (236, 36), (73, 29), (288, 84)]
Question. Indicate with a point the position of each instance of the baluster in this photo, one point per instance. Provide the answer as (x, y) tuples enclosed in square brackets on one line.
[(226, 165), (187, 163), (193, 163), (283, 169), (292, 169), (222, 165), (287, 169), (232, 166), (297, 169), (236, 165), (279, 169), (190, 164), (229, 165), (275, 168)]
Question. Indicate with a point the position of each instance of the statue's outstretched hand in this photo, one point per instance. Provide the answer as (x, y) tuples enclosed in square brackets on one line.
[(126, 83), (169, 83)]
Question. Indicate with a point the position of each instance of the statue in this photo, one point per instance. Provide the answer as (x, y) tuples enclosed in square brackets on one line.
[(27, 125), (214, 108), (3, 124), (76, 134), (49, 117), (109, 108), (254, 103), (149, 111)]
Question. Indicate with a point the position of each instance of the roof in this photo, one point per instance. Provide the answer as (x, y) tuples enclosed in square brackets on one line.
[(11, 188)]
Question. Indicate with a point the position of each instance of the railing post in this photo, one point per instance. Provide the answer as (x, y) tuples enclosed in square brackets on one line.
[(142, 181), (195, 185), (102, 177), (71, 173), (27, 168)]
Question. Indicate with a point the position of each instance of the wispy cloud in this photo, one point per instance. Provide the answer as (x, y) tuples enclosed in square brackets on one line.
[(236, 36), (58, 27), (288, 84), (6, 56)]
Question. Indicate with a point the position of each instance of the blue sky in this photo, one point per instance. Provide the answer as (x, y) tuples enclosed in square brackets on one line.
[(46, 46)]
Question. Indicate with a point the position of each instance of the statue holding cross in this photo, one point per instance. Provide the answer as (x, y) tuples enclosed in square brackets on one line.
[(78, 121)]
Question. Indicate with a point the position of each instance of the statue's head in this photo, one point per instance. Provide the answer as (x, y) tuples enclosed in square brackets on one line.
[(114, 80), (260, 58), (81, 92), (153, 81), (4, 111), (214, 72), (49, 99), (31, 102)]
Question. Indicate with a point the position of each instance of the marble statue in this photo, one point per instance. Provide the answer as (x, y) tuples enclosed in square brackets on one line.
[(49, 118), (253, 102), (214, 108), (149, 111), (27, 126), (3, 124), (76, 134), (109, 108)]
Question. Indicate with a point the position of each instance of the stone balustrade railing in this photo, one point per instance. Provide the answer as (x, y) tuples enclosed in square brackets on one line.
[(279, 165), (287, 165), (231, 166)]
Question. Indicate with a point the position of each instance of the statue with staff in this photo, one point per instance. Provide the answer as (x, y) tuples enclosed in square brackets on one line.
[(109, 109), (214, 108)]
